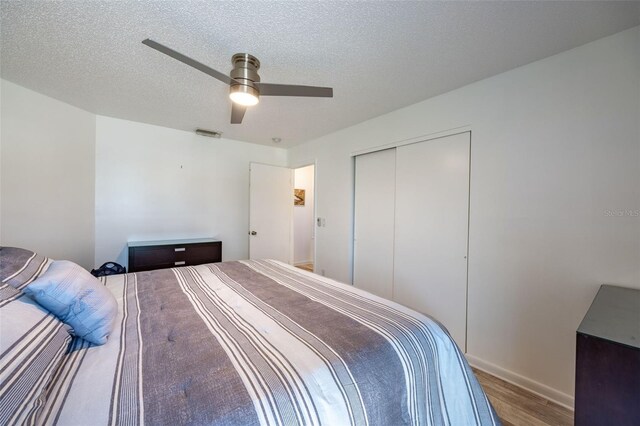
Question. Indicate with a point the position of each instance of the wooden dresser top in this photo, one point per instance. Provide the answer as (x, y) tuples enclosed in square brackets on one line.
[(170, 242), (614, 315)]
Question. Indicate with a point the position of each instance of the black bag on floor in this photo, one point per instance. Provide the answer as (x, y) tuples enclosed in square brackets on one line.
[(109, 268)]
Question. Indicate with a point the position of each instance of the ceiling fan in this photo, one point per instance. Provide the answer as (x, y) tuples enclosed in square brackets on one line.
[(245, 86)]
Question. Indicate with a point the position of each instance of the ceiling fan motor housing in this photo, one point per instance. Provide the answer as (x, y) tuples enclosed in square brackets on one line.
[(245, 73)]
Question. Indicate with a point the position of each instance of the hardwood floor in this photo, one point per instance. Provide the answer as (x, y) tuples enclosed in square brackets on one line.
[(306, 266), (516, 406)]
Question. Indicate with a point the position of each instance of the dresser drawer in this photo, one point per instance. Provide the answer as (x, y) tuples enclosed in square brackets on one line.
[(148, 257), (201, 253)]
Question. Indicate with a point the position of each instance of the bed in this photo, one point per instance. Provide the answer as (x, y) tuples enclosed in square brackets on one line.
[(232, 343)]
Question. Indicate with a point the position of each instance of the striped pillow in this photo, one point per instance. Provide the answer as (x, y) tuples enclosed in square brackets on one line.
[(18, 267), (33, 346)]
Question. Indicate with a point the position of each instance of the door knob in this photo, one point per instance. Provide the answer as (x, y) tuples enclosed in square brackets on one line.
[(253, 233)]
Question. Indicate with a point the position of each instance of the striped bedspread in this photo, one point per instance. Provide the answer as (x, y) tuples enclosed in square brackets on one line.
[(261, 342)]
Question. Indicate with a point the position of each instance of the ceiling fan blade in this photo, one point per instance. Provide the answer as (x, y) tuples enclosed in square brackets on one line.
[(237, 113), (187, 60), (268, 89)]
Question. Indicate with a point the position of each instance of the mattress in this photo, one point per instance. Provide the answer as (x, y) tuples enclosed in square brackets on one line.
[(261, 343)]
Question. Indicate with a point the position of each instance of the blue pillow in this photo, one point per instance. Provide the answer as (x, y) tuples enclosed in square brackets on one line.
[(77, 298)]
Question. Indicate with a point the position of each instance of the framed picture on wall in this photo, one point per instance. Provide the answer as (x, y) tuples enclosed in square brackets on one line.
[(298, 197)]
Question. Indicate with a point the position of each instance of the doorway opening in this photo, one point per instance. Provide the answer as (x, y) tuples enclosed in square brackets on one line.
[(304, 218)]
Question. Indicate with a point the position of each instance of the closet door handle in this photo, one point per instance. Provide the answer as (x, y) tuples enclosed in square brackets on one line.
[(180, 249)]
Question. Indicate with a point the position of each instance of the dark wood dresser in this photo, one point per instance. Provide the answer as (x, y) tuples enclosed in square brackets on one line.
[(608, 360), (148, 255)]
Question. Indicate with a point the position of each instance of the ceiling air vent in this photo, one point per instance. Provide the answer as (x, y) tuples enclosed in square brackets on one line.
[(208, 133)]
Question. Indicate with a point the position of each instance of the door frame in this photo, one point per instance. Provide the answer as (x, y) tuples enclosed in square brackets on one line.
[(300, 165)]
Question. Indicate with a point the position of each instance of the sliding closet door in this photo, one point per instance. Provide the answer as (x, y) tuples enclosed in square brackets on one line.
[(375, 187), (431, 229)]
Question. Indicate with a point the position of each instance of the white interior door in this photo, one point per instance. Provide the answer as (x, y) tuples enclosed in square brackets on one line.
[(375, 186), (431, 230), (270, 212)]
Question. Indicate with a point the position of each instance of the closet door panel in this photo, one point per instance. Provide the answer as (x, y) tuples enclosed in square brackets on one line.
[(373, 222), (431, 230)]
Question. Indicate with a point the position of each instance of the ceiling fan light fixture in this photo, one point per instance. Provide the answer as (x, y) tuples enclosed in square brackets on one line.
[(244, 95), (245, 86)]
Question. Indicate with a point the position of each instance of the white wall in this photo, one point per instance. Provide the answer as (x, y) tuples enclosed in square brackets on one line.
[(158, 183), (554, 199), (47, 175), (303, 220), (1, 86)]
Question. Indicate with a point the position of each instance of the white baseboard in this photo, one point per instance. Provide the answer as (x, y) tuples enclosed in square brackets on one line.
[(302, 263), (539, 389)]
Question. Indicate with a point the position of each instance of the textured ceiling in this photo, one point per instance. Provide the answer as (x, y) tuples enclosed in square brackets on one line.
[(378, 56)]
